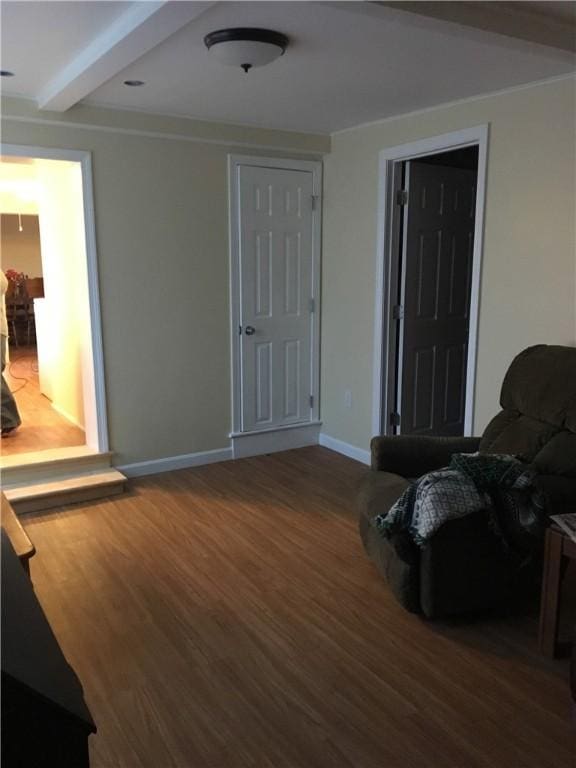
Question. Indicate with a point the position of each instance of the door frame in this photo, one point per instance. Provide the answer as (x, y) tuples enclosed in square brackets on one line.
[(94, 391), (281, 163), (387, 265)]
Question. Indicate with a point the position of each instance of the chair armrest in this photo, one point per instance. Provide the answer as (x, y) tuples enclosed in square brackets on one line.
[(414, 455)]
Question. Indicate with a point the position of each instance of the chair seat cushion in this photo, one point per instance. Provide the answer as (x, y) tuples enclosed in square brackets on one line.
[(379, 491)]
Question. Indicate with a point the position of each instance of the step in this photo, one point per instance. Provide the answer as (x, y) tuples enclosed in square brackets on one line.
[(68, 490), (28, 468)]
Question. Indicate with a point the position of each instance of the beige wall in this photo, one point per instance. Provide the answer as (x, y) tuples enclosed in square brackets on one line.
[(529, 264), (161, 220), (21, 250), (162, 237)]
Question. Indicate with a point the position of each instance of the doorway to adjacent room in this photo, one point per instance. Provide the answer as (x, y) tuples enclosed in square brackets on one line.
[(429, 256), (54, 368)]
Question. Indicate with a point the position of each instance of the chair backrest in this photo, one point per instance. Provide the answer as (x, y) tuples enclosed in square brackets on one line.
[(12, 291), (537, 422), (17, 298)]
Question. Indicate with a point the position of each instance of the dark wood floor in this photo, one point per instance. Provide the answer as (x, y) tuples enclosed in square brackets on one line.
[(227, 617)]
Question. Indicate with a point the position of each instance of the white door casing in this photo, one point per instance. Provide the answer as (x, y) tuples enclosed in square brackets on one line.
[(94, 393), (387, 243), (274, 237)]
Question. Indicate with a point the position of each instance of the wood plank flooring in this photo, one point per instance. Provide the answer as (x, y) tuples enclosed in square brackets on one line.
[(227, 617), (42, 427)]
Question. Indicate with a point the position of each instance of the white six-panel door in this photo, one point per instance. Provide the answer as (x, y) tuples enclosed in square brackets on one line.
[(276, 281)]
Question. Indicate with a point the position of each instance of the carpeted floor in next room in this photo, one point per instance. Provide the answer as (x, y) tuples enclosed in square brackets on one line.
[(227, 617)]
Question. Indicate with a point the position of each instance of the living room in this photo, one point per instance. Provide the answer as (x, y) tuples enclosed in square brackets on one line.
[(161, 211)]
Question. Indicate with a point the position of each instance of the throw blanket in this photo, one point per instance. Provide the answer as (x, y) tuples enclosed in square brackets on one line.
[(473, 482)]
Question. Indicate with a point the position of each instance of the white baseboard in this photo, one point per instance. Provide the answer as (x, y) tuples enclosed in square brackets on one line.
[(171, 463), (346, 449), (249, 444), (274, 440)]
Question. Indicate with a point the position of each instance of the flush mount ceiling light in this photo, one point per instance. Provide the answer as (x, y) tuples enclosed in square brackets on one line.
[(6, 73), (134, 83), (246, 47)]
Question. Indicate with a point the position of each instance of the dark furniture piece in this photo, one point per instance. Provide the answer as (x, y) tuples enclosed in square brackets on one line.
[(463, 568), (20, 307), (558, 550), (19, 539), (45, 721)]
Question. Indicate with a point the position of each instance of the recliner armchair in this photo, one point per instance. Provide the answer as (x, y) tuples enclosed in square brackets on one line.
[(464, 567)]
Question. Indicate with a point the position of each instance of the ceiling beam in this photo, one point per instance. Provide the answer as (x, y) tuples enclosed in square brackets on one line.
[(521, 20), (142, 27)]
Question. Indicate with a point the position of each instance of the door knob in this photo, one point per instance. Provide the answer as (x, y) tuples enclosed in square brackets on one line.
[(249, 330)]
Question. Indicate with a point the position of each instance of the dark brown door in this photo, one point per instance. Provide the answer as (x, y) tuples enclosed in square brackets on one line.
[(436, 278)]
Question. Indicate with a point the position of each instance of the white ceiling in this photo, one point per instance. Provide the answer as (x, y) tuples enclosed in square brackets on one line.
[(347, 63), (39, 38)]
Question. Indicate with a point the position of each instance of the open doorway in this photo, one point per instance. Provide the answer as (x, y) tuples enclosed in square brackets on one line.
[(50, 417), (54, 364), (429, 256)]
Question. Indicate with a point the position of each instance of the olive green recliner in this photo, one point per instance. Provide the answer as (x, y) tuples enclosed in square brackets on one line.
[(464, 568)]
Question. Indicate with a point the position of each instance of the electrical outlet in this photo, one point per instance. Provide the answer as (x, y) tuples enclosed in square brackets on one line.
[(348, 398)]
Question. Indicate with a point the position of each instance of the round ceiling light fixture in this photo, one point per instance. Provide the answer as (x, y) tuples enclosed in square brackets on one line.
[(246, 47), (134, 83), (6, 73)]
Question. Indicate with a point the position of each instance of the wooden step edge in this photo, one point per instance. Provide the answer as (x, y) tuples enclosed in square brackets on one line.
[(17, 478), (47, 454), (40, 496), (54, 467), (82, 496), (35, 458), (61, 485)]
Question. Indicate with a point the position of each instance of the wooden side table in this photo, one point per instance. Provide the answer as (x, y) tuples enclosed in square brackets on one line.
[(558, 549)]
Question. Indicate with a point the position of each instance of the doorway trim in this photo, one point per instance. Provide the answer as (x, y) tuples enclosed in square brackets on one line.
[(385, 244), (291, 435), (95, 413)]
